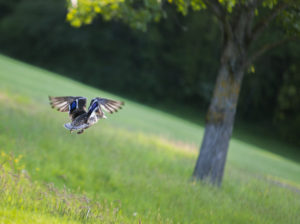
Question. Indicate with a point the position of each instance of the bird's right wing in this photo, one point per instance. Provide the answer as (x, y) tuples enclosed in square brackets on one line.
[(97, 104)]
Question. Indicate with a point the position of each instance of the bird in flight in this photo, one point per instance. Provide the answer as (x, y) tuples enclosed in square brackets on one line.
[(81, 118)]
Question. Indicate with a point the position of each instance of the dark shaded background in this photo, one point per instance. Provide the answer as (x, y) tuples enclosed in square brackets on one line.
[(172, 66)]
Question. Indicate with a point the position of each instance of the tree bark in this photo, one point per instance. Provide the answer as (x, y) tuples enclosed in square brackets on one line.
[(220, 116), (238, 34)]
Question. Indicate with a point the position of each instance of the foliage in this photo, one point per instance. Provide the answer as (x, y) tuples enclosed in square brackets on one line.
[(139, 13), (140, 158)]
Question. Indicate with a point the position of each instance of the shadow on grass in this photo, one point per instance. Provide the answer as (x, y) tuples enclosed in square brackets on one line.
[(261, 136)]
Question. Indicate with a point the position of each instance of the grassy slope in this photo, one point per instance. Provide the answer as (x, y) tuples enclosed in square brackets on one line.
[(26, 201), (140, 156)]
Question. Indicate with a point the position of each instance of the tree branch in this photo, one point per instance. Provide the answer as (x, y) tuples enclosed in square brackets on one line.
[(220, 12), (261, 26), (252, 8), (266, 48), (215, 7)]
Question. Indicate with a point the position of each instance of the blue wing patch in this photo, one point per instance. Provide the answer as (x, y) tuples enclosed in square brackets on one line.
[(73, 106), (94, 106)]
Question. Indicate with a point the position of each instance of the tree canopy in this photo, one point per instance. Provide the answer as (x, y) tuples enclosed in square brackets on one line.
[(138, 14)]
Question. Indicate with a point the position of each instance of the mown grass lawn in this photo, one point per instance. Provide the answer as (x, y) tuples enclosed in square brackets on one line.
[(139, 161)]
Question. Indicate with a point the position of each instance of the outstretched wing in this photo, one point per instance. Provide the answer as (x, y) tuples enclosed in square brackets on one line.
[(75, 105), (110, 106)]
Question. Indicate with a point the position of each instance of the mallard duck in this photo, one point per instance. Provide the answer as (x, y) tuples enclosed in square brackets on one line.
[(80, 117)]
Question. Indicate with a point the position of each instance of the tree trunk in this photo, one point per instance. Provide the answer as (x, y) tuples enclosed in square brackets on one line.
[(220, 116)]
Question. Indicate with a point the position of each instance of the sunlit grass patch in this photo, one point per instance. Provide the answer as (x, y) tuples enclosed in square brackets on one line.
[(9, 97), (17, 216)]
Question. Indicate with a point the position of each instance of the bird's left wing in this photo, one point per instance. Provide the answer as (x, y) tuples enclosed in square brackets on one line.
[(75, 105)]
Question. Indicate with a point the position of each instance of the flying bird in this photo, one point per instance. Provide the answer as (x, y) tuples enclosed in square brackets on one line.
[(81, 118)]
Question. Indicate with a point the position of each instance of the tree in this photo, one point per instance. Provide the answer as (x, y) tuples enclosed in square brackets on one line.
[(242, 22)]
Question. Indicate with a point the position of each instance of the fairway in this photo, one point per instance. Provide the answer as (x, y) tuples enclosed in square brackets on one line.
[(140, 157)]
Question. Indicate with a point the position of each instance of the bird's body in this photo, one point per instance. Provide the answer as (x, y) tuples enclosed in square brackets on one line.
[(81, 118)]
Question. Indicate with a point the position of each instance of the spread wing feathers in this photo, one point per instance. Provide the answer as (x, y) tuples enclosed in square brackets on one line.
[(68, 103), (105, 104)]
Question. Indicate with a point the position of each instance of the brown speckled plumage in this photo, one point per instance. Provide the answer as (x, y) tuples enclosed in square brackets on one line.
[(80, 117)]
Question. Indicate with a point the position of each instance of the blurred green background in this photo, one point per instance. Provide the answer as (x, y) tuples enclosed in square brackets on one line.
[(172, 67), (136, 166)]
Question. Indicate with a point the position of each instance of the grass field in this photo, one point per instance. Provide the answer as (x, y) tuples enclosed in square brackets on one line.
[(133, 167)]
